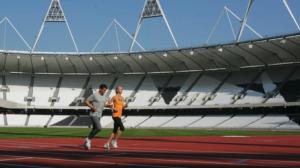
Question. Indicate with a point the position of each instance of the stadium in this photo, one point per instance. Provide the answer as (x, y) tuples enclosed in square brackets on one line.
[(231, 104)]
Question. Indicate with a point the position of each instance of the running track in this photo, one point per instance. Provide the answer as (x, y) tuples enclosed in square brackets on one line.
[(168, 152)]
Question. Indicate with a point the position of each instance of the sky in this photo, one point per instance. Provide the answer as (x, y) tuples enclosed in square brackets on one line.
[(190, 20)]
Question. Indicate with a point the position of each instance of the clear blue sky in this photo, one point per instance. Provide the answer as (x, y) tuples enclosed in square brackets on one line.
[(191, 21)]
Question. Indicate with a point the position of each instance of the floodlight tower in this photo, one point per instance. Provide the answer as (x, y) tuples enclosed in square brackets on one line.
[(55, 14), (152, 9)]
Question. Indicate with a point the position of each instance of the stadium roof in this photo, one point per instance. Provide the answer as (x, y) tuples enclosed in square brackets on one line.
[(271, 51)]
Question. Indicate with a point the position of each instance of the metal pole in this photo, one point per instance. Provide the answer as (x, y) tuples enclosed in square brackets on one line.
[(128, 34), (246, 25), (244, 21), (19, 34), (69, 29), (137, 28), (102, 36), (42, 28), (215, 26), (135, 34), (167, 23), (291, 13), (117, 37), (231, 26)]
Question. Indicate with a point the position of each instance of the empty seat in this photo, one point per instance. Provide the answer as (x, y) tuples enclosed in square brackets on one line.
[(38, 120), (210, 121), (155, 121), (16, 119), (181, 121)]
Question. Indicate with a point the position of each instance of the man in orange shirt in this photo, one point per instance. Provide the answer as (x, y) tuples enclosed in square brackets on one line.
[(118, 106)]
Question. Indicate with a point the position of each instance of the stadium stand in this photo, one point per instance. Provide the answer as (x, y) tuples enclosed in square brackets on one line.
[(18, 87), (260, 85), (181, 121), (43, 89), (210, 121), (270, 122), (240, 121), (38, 120), (69, 90), (2, 123), (134, 121), (16, 119), (60, 120), (155, 121)]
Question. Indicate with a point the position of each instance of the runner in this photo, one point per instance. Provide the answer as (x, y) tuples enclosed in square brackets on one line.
[(96, 102), (119, 105)]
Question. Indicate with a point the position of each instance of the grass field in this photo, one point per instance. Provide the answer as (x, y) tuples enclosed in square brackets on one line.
[(7, 132)]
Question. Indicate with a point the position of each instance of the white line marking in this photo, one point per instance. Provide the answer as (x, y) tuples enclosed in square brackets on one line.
[(235, 136)]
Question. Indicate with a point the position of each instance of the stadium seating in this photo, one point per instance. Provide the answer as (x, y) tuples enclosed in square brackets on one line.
[(240, 121), (191, 89), (270, 122), (144, 94), (181, 121), (134, 121), (248, 121), (16, 119), (56, 120), (129, 83), (38, 120), (18, 87), (44, 87), (155, 121), (70, 88), (2, 123), (210, 121)]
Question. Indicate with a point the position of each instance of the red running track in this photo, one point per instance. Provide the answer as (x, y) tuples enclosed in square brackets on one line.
[(167, 152)]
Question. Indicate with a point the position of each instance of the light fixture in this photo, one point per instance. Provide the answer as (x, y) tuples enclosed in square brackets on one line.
[(165, 54), (42, 58), (250, 46), (192, 52), (220, 49), (91, 58), (140, 56), (66, 58)]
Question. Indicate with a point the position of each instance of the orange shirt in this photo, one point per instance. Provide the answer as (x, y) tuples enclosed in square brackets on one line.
[(118, 102)]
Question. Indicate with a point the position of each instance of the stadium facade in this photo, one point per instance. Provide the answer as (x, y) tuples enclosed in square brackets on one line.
[(248, 84)]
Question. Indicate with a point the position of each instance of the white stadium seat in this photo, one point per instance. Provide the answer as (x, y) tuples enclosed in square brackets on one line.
[(2, 120), (134, 121), (16, 119), (181, 121), (270, 122), (210, 121), (155, 121), (38, 120)]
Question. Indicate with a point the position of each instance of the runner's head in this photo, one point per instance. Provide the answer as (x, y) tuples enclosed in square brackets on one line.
[(102, 89), (119, 89)]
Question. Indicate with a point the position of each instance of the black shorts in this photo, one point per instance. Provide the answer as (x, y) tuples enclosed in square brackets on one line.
[(118, 124)]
